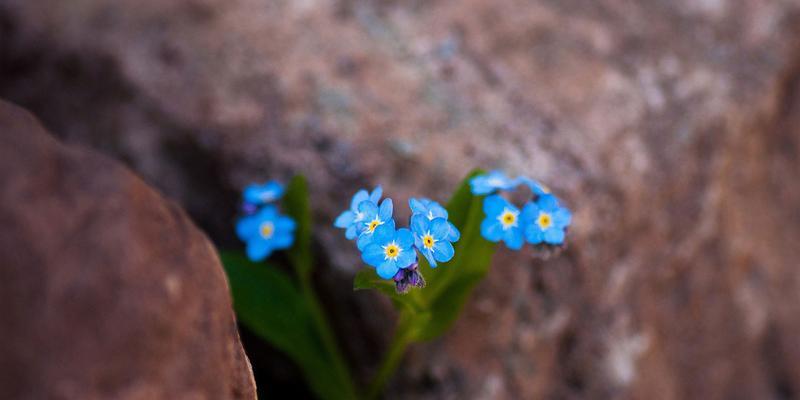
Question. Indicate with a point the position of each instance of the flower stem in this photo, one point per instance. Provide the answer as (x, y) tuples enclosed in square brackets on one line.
[(391, 360)]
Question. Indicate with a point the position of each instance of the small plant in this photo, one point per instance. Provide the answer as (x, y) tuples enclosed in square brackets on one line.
[(456, 243)]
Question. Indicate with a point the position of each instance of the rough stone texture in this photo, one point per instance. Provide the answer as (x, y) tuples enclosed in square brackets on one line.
[(670, 127), (108, 290)]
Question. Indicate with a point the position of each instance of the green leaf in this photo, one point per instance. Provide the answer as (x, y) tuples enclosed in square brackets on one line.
[(267, 301), (450, 284), (296, 204)]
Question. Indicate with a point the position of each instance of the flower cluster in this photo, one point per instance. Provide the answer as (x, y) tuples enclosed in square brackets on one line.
[(263, 228), (391, 251), (543, 221)]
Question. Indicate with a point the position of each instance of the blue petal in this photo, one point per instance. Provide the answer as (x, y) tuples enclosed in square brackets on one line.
[(547, 202), (554, 236), (454, 234), (443, 251), (282, 241), (420, 224), (406, 258), (373, 255), (351, 232), (440, 228), (404, 238), (562, 217), (418, 242), (369, 209), (364, 239), (360, 196), (491, 229), (376, 194), (513, 238), (429, 256), (494, 205), (283, 222), (533, 234), (258, 249), (436, 210), (383, 233), (247, 227), (385, 211), (344, 219), (387, 269), (529, 213), (417, 206)]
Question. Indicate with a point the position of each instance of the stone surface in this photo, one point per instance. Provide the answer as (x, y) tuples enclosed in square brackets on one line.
[(108, 290), (670, 127)]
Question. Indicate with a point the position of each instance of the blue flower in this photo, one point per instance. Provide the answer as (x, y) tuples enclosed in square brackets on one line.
[(537, 188), (432, 209), (431, 238), (502, 222), (390, 250), (373, 217), (491, 182), (546, 220), (350, 220), (258, 195), (265, 231)]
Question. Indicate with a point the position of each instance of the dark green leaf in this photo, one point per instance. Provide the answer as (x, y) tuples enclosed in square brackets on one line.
[(268, 302), (296, 204)]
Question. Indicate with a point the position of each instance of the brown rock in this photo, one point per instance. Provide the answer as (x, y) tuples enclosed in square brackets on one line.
[(670, 127), (108, 291)]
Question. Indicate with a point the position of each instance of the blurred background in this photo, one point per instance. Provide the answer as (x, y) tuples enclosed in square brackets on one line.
[(671, 128)]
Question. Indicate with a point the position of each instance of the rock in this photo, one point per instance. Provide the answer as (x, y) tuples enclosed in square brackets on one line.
[(669, 127), (108, 290)]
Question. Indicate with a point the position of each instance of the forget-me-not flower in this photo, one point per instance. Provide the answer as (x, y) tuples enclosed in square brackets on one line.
[(491, 182), (431, 210), (265, 231), (350, 220), (258, 195), (389, 250), (373, 217), (546, 220), (432, 238), (502, 222)]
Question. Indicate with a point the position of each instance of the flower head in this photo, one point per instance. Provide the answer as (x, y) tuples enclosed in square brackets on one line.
[(258, 195), (351, 219), (389, 250), (546, 220), (432, 210), (432, 238), (502, 222), (265, 231), (373, 217), (491, 182)]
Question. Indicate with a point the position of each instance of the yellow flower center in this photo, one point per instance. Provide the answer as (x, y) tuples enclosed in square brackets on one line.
[(374, 224), (508, 218), (391, 251), (427, 241), (267, 229), (544, 221)]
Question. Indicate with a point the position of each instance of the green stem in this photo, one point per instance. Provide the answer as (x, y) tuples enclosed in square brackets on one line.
[(391, 360), (326, 333)]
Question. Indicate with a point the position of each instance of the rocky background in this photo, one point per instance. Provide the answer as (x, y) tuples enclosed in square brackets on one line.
[(672, 129)]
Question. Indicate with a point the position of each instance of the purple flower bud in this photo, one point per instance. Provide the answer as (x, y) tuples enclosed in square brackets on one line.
[(249, 208)]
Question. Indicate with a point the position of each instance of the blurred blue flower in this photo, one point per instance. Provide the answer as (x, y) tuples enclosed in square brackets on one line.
[(501, 222), (491, 182), (545, 220), (537, 188), (350, 220), (265, 231), (431, 210), (258, 195), (389, 250), (373, 217), (431, 238)]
